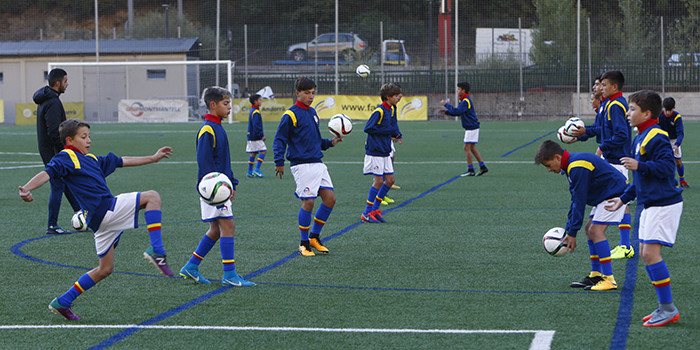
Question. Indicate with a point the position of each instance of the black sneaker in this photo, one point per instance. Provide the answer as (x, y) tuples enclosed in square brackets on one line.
[(469, 173), (55, 230), (586, 281), (483, 171)]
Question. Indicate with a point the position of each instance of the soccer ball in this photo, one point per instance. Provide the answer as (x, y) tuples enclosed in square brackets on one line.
[(340, 125), (78, 221), (553, 242), (215, 188), (563, 137), (362, 71), (573, 124)]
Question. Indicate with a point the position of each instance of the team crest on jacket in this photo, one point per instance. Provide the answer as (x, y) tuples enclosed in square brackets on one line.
[(316, 118), (636, 149)]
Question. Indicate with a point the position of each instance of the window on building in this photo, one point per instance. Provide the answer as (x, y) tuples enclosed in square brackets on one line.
[(155, 73), (1, 77)]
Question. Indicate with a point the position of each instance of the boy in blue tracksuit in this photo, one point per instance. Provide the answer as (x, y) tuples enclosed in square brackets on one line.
[(213, 156), (255, 146), (656, 192), (470, 123), (299, 136), (598, 103), (381, 128), (672, 123), (592, 181), (615, 143), (108, 216)]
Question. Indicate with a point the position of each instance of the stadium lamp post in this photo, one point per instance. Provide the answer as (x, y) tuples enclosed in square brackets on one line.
[(167, 7)]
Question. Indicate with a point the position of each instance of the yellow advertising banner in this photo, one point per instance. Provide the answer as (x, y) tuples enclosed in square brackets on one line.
[(2, 111), (271, 109), (361, 107), (355, 107), (25, 113)]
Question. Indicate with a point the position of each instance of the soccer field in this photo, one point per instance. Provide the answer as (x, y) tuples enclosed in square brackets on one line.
[(460, 263)]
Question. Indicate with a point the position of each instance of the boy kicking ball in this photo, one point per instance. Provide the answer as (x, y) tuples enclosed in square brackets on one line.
[(658, 197), (107, 216)]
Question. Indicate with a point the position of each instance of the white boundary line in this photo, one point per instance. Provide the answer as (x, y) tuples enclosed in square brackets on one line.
[(541, 341)]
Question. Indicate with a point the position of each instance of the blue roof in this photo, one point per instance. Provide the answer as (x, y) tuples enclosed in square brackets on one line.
[(87, 47)]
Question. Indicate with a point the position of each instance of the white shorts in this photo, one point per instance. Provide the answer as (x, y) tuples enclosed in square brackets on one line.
[(621, 168), (255, 146), (124, 216), (378, 166), (677, 152), (211, 213), (310, 177), (471, 136), (601, 216), (660, 224)]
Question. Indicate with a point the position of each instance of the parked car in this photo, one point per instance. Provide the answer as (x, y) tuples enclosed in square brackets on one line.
[(680, 59), (348, 45), (394, 53)]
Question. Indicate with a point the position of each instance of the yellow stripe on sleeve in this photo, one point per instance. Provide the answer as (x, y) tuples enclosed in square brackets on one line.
[(581, 163), (650, 135), (207, 129), (73, 157)]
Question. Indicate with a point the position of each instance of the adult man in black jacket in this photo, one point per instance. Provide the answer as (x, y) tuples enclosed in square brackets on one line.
[(49, 115)]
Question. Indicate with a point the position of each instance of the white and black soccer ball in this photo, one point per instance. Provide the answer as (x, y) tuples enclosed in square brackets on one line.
[(553, 242), (564, 137), (340, 125), (573, 124), (362, 71), (215, 188), (78, 221)]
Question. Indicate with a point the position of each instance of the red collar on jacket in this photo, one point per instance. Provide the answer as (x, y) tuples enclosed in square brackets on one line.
[(465, 96), (565, 160), (212, 118), (301, 105), (643, 126), (386, 105), (72, 148), (615, 95), (255, 107)]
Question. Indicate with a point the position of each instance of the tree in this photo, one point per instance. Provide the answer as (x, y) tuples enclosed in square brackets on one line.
[(554, 34), (685, 33)]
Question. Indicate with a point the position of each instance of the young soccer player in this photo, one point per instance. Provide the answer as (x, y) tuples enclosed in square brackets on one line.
[(299, 136), (592, 181), (213, 156), (470, 123), (598, 104), (256, 138), (381, 128), (107, 216), (671, 122), (661, 201), (615, 143)]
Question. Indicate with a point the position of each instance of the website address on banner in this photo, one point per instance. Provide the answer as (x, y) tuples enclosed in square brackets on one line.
[(358, 108)]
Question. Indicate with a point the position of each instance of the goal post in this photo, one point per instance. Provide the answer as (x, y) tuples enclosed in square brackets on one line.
[(102, 86)]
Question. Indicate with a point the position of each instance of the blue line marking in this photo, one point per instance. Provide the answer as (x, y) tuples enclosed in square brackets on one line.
[(127, 332), (528, 144), (624, 311)]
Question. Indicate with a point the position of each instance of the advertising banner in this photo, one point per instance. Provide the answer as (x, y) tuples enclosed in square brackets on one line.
[(152, 111), (361, 107), (271, 109), (25, 113)]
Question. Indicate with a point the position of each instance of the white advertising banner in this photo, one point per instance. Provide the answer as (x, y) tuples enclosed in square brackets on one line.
[(153, 111)]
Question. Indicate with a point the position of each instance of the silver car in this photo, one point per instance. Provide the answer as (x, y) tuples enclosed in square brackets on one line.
[(348, 45)]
